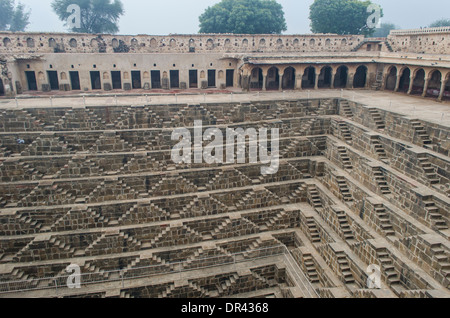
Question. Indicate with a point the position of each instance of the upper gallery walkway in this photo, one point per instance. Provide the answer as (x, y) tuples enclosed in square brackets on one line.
[(412, 107)]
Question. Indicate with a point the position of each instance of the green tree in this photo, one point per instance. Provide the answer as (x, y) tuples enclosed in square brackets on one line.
[(384, 30), (97, 16), (341, 17), (13, 18), (244, 17), (440, 23)]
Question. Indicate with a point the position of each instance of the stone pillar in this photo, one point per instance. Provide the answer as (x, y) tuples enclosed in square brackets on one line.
[(350, 81), (316, 84), (441, 93), (333, 76), (411, 82), (397, 83), (280, 85), (264, 80), (425, 87), (299, 78)]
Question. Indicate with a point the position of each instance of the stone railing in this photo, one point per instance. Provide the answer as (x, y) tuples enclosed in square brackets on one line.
[(421, 31), (199, 43)]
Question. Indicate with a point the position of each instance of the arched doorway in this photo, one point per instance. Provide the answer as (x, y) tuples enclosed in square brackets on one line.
[(341, 78), (2, 88), (419, 81), (289, 78), (273, 79), (309, 78), (256, 79), (360, 78), (434, 84), (391, 79), (325, 77), (405, 80)]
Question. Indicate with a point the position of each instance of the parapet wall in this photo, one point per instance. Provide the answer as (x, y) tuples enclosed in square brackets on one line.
[(422, 41), (198, 43)]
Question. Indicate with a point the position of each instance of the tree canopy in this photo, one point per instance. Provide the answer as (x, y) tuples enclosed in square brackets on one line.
[(13, 18), (97, 16), (341, 17), (440, 23), (244, 17)]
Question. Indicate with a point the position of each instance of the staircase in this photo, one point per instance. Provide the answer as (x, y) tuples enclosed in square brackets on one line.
[(430, 171), (314, 197), (433, 214), (344, 158), (345, 132), (380, 180), (422, 133), (379, 150), (310, 269), (385, 222), (344, 189), (387, 267), (442, 257), (313, 231), (345, 109), (379, 123), (344, 267), (344, 226)]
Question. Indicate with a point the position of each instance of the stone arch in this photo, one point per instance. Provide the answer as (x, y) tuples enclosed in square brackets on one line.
[(256, 78), (115, 43), (126, 75), (312, 42), (202, 74), (245, 43), (344, 42), (30, 42), (134, 43), (341, 77), (227, 43), (210, 43), (391, 79), (296, 43), (94, 43), (273, 78), (405, 80), (153, 43), (73, 43), (360, 78), (220, 74), (279, 43), (327, 42), (262, 43), (6, 42), (146, 75), (419, 81), (309, 77), (325, 77), (52, 43), (105, 75), (289, 78), (434, 83), (173, 43), (41, 76), (63, 76)]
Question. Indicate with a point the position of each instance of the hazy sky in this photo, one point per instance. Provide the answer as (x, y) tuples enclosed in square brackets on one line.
[(161, 17)]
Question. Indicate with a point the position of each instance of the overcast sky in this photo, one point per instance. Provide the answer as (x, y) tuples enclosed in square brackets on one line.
[(161, 17)]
